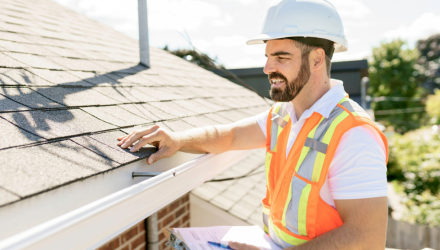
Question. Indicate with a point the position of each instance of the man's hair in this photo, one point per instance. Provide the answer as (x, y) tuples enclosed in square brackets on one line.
[(305, 51)]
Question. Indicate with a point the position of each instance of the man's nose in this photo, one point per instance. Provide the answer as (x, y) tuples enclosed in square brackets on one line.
[(269, 67)]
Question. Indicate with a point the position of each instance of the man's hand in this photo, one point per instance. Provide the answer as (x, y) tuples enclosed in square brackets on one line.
[(244, 134), (167, 142), (242, 246)]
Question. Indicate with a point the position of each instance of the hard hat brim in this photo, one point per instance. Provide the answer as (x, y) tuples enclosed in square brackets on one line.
[(341, 44)]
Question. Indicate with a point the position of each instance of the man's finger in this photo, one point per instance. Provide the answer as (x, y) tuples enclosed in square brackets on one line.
[(137, 135), (155, 136), (161, 153)]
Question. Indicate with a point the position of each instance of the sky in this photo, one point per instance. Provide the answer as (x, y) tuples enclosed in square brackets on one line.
[(220, 28)]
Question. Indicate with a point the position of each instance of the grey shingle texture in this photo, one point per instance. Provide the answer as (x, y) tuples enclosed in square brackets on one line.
[(70, 85), (29, 170), (242, 197)]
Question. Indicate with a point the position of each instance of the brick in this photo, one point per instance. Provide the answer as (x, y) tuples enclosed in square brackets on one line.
[(138, 241), (111, 245), (129, 234), (185, 198), (161, 236), (166, 221), (176, 224), (175, 205), (162, 213), (185, 219), (180, 212)]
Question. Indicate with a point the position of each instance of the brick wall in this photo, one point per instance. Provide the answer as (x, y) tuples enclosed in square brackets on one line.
[(132, 239), (175, 214)]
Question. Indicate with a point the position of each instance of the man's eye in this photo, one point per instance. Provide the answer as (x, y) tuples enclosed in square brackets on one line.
[(282, 57)]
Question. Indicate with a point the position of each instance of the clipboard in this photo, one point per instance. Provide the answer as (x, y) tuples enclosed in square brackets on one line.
[(175, 239)]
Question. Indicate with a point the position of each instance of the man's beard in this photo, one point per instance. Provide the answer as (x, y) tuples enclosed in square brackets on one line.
[(293, 88)]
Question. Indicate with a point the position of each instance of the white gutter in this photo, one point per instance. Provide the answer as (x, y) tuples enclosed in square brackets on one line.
[(92, 225)]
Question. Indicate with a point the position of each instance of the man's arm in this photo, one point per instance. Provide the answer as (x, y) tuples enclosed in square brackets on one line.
[(244, 134), (365, 225)]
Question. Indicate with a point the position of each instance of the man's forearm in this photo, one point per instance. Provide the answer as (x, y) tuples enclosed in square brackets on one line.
[(212, 139)]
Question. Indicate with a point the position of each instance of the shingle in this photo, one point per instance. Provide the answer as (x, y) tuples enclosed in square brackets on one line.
[(7, 104), (206, 192), (233, 115), (214, 107), (35, 61), (147, 111), (20, 77), (116, 115), (57, 123), (26, 171), (7, 197), (57, 51), (12, 136), (105, 144), (94, 78), (222, 202), (140, 79), (178, 125), (160, 93), (242, 209), (28, 97), (76, 96), (218, 118), (130, 130), (77, 64), (200, 121), (25, 48), (59, 77), (173, 109), (9, 62), (194, 106), (126, 94), (13, 37)]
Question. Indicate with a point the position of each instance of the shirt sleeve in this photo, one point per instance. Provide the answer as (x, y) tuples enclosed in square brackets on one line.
[(262, 121), (358, 169)]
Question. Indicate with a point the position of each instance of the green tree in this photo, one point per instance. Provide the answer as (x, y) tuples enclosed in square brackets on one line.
[(428, 65), (393, 77), (195, 57), (433, 107)]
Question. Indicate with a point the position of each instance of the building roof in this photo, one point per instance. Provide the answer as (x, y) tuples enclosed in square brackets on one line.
[(240, 197), (70, 85)]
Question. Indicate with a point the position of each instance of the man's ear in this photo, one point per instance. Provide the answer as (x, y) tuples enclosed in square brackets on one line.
[(318, 58)]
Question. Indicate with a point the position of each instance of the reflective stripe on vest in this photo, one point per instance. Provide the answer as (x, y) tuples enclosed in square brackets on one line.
[(293, 229)]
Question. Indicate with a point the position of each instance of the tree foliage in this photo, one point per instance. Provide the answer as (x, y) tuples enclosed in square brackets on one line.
[(415, 157), (433, 107), (392, 74), (428, 65), (195, 57)]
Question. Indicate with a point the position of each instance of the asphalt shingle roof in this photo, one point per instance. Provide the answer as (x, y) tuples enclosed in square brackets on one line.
[(69, 86), (240, 197)]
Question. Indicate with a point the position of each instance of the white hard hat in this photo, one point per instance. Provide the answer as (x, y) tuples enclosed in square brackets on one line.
[(303, 18)]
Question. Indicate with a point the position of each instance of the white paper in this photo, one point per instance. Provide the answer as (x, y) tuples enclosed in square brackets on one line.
[(251, 235), (197, 237)]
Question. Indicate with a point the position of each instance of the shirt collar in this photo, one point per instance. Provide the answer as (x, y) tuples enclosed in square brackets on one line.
[(325, 104)]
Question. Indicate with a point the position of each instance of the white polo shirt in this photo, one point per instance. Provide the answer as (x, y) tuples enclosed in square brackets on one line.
[(358, 169)]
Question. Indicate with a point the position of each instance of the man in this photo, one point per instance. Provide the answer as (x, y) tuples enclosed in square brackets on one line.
[(325, 161)]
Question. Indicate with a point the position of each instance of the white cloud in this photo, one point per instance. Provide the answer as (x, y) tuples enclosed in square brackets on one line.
[(227, 20), (424, 26), (247, 62), (351, 9), (179, 14)]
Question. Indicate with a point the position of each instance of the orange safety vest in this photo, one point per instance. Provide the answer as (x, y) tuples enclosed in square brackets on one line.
[(293, 210)]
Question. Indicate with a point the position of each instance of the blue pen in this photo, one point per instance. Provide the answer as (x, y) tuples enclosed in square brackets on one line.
[(219, 245)]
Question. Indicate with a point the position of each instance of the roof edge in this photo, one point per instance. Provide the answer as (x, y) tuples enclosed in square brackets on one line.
[(91, 224)]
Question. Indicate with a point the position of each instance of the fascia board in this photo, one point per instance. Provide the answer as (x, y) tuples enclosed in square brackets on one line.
[(35, 210), (94, 224)]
